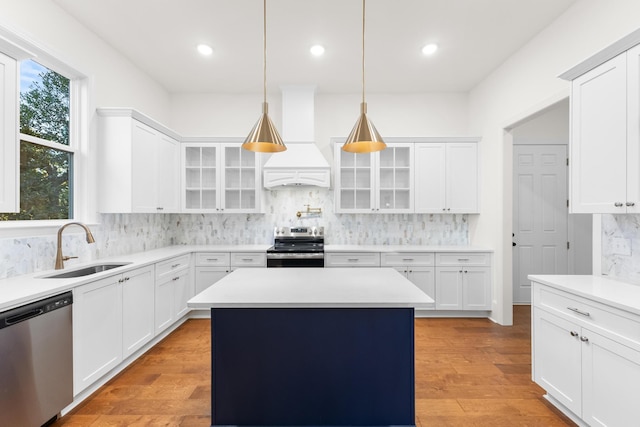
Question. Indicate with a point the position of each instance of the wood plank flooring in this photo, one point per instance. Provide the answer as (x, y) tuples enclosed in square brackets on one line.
[(469, 372)]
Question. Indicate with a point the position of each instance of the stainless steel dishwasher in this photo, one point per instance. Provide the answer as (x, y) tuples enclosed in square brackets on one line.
[(36, 361)]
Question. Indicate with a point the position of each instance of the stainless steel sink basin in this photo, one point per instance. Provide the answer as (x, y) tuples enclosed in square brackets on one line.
[(86, 271)]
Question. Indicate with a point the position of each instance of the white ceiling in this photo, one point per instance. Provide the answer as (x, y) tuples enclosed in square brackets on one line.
[(160, 36)]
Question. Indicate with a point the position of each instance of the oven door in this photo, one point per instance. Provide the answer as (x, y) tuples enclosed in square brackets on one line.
[(295, 259)]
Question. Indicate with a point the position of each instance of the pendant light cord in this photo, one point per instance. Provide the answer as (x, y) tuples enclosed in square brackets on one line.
[(264, 50), (363, 15)]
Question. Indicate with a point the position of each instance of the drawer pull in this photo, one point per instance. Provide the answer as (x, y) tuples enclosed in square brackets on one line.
[(352, 259), (175, 265), (630, 204), (463, 259), (582, 313), (212, 259), (247, 259), (618, 204), (574, 334), (407, 259), (175, 278), (584, 339)]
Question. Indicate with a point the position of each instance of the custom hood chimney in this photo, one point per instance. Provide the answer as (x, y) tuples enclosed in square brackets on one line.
[(302, 163)]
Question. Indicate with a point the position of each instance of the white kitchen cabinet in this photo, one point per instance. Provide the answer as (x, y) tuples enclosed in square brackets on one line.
[(220, 177), (138, 309), (352, 259), (9, 164), (138, 164), (112, 318), (586, 355), (605, 137), (417, 267), (380, 182), (210, 267), (463, 281), (173, 289), (248, 259), (97, 330), (446, 177)]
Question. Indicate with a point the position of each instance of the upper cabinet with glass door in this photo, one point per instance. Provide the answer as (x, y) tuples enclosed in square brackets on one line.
[(220, 177), (379, 182)]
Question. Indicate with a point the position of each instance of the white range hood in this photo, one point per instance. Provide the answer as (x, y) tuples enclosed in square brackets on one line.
[(302, 163)]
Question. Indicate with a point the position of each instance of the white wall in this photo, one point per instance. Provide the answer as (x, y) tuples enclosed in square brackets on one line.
[(527, 82), (116, 81)]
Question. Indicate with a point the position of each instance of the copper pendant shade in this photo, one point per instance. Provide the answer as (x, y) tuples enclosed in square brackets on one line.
[(264, 136), (364, 138)]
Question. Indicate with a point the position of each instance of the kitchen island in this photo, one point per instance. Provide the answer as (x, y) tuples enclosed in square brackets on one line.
[(301, 346)]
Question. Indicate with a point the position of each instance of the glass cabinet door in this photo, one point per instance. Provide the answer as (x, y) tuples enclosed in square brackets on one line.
[(356, 180), (240, 179), (395, 178), (200, 178)]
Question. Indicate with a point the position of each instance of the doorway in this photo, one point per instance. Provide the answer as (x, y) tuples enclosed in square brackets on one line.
[(546, 239)]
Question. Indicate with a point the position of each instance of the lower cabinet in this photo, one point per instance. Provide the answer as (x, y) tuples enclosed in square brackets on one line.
[(463, 281), (352, 259), (171, 296), (417, 267), (138, 288), (463, 288), (589, 362), (112, 318)]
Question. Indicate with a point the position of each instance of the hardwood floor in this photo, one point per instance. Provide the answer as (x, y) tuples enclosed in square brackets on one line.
[(469, 372)]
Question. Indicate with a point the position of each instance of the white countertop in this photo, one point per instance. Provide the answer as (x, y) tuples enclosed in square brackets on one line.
[(403, 248), (19, 290), (605, 290), (312, 288)]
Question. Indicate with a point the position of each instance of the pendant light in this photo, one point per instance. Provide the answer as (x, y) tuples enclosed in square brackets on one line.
[(264, 136), (364, 138)]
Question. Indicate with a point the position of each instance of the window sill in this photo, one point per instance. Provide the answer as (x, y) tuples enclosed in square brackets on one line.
[(13, 229)]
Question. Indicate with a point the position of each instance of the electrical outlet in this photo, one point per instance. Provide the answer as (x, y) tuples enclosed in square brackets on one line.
[(621, 246)]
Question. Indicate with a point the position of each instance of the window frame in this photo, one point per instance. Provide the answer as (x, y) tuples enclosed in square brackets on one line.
[(80, 141)]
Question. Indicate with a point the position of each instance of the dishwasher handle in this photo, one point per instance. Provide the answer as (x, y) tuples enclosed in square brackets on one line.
[(12, 320)]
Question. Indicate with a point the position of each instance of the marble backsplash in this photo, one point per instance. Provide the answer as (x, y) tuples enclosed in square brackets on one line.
[(121, 234), (621, 247)]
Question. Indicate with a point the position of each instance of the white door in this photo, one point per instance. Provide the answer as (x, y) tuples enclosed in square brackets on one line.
[(539, 215)]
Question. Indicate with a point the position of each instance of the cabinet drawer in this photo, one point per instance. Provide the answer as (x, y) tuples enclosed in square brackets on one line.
[(169, 266), (249, 259), (217, 259), (407, 258), (352, 259), (463, 258), (589, 313)]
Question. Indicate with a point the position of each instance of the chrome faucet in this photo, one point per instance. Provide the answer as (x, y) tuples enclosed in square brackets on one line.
[(59, 258)]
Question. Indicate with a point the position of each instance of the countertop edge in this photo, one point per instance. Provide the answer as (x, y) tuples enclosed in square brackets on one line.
[(609, 291)]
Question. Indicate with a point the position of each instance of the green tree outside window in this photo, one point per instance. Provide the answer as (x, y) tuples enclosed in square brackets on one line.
[(45, 171)]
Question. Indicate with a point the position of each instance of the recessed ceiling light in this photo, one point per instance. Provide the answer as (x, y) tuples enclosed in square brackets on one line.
[(204, 49), (430, 49), (317, 50)]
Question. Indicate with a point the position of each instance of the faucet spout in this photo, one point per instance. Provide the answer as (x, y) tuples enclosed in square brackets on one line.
[(59, 257)]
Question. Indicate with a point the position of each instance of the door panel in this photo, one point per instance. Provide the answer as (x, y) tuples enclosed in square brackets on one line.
[(540, 215)]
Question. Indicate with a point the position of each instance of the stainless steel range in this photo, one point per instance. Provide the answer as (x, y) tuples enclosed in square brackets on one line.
[(297, 247)]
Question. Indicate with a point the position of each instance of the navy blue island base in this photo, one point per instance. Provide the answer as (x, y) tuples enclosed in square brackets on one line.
[(312, 367)]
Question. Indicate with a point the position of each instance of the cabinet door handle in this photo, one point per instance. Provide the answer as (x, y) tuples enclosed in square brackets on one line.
[(582, 313), (618, 204), (584, 339), (631, 204), (574, 334), (466, 271), (159, 208)]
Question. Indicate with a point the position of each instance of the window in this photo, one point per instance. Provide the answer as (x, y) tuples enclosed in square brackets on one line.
[(46, 152)]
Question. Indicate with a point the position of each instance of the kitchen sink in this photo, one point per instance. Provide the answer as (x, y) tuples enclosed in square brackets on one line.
[(86, 271)]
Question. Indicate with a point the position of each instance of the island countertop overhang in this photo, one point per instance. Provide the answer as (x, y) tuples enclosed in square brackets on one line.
[(312, 288)]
